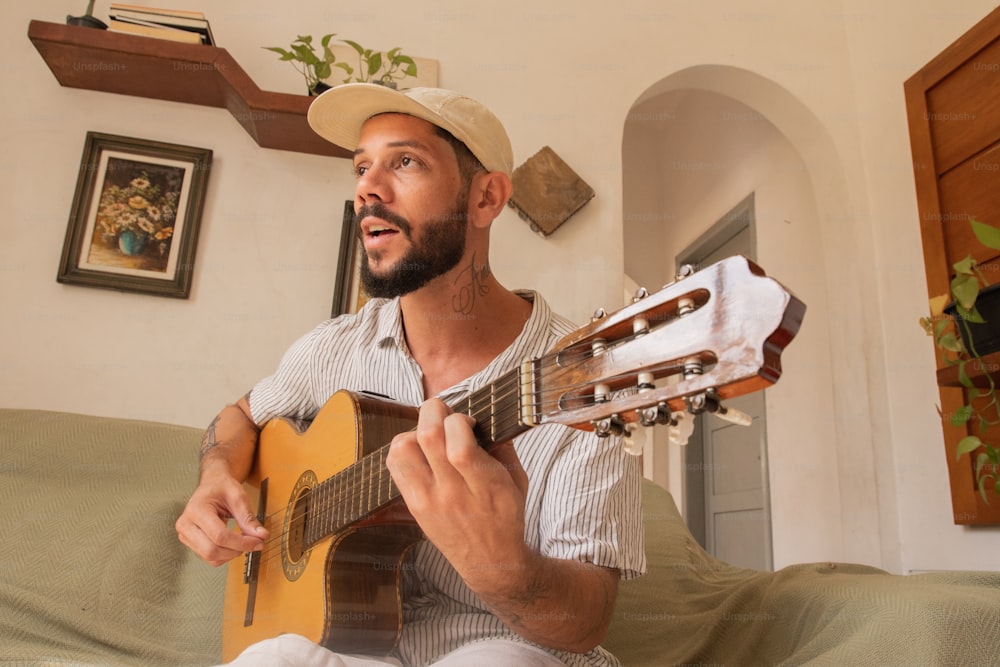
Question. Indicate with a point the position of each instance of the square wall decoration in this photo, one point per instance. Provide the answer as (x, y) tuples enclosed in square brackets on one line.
[(547, 192), (136, 215)]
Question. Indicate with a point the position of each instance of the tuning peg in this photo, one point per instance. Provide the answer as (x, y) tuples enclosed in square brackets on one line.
[(640, 294), (613, 425), (734, 416), (634, 439), (599, 314), (708, 401), (681, 428)]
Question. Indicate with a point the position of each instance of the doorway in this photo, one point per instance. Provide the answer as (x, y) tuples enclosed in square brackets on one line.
[(725, 466)]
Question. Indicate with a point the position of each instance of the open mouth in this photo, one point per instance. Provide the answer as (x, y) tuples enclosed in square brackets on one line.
[(379, 230)]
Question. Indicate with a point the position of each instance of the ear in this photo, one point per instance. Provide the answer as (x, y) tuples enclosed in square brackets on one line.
[(488, 196)]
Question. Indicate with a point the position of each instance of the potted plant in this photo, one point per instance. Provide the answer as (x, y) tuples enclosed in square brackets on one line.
[(314, 67), (373, 66), (962, 335)]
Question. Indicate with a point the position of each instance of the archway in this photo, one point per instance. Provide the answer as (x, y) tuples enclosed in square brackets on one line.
[(696, 143)]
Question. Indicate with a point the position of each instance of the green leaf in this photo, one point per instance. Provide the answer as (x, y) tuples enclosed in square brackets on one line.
[(950, 342), (374, 63), (354, 45), (963, 377), (988, 235), (965, 289), (961, 415), (965, 267), (940, 326), (969, 443), (973, 316), (285, 54), (982, 459)]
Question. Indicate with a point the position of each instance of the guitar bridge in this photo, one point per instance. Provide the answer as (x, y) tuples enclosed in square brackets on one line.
[(251, 568)]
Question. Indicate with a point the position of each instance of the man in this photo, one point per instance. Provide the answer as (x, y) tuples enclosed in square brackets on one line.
[(524, 545)]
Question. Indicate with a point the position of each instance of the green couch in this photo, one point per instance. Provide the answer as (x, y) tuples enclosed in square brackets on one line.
[(91, 573)]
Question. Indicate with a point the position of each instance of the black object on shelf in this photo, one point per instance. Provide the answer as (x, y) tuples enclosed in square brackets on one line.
[(88, 20)]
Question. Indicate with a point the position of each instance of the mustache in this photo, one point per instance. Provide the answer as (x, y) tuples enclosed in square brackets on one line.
[(378, 210)]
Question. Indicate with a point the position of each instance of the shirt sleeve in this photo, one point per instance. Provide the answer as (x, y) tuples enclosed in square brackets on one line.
[(289, 391), (592, 505)]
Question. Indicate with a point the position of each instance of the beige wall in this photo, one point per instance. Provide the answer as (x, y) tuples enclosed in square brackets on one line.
[(563, 75)]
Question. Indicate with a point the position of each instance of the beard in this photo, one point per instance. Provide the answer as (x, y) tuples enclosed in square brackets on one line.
[(437, 251)]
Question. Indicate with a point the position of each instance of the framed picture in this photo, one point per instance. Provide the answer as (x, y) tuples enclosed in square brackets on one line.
[(348, 297), (135, 217)]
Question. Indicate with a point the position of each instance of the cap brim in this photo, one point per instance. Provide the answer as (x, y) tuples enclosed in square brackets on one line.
[(338, 114)]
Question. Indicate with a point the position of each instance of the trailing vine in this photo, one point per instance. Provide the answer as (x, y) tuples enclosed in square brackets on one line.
[(982, 409)]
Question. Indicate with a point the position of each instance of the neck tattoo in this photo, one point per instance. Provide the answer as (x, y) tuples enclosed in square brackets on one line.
[(474, 279)]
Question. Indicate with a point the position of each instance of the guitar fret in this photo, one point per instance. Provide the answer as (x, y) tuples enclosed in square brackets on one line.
[(352, 494), (493, 416), (364, 498), (336, 504), (372, 501)]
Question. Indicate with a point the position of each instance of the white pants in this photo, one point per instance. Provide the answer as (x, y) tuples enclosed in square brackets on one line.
[(297, 651)]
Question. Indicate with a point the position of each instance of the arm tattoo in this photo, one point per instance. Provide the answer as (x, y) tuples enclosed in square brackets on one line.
[(209, 441)]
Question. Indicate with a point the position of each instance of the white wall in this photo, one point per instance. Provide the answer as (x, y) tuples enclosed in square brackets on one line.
[(565, 75)]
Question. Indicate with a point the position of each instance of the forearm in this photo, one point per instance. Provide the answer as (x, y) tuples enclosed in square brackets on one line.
[(558, 603), (230, 442)]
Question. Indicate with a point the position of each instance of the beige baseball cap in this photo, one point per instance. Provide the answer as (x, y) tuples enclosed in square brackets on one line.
[(338, 114)]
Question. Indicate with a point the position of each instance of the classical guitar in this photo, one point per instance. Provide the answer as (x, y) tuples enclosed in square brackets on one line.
[(339, 530)]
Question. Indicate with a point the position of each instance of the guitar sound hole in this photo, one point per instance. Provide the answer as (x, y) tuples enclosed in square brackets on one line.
[(294, 542), (297, 528)]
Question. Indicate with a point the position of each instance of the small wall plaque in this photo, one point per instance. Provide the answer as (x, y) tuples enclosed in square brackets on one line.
[(547, 192)]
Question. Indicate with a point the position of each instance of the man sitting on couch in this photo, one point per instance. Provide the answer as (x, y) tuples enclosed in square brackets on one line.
[(525, 545)]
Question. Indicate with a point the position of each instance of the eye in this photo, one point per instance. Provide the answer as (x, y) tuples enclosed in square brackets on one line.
[(359, 170)]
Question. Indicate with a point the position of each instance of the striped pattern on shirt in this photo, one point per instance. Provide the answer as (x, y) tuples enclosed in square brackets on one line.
[(583, 499)]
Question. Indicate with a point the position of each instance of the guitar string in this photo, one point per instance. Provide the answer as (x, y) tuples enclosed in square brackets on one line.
[(479, 408)]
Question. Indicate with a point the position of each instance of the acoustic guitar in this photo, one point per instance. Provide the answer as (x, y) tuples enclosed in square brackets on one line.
[(339, 531)]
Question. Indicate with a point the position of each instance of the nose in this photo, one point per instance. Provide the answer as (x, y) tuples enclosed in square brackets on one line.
[(371, 186)]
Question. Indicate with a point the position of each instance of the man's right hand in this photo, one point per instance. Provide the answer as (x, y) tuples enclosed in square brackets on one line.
[(203, 526)]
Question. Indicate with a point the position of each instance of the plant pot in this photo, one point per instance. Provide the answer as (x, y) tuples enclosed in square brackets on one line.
[(320, 87), (986, 336)]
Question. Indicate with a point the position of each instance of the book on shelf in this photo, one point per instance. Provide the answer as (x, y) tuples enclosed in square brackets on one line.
[(155, 31), (116, 6), (193, 22)]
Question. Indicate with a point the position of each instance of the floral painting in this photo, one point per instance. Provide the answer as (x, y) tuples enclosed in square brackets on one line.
[(136, 215)]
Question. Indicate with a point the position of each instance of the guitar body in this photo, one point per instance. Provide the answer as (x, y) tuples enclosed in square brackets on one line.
[(341, 591)]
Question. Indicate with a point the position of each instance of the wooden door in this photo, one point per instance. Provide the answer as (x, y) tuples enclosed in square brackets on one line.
[(953, 111)]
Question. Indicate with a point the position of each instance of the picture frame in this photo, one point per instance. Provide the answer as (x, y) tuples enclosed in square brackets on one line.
[(348, 296), (136, 215)]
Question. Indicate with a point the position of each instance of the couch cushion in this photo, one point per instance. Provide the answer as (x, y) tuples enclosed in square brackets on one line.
[(691, 608), (91, 571)]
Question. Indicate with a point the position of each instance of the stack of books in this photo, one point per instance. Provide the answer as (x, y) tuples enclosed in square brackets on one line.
[(175, 24)]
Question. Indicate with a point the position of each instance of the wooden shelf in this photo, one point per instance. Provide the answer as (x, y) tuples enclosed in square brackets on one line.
[(160, 69), (947, 376)]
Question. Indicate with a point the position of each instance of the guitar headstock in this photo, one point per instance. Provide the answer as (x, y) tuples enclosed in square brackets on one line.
[(712, 335)]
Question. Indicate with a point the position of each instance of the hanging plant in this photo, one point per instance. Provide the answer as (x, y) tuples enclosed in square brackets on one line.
[(955, 337)]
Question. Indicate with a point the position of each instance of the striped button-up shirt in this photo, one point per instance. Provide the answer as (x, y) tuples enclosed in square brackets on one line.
[(583, 495)]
